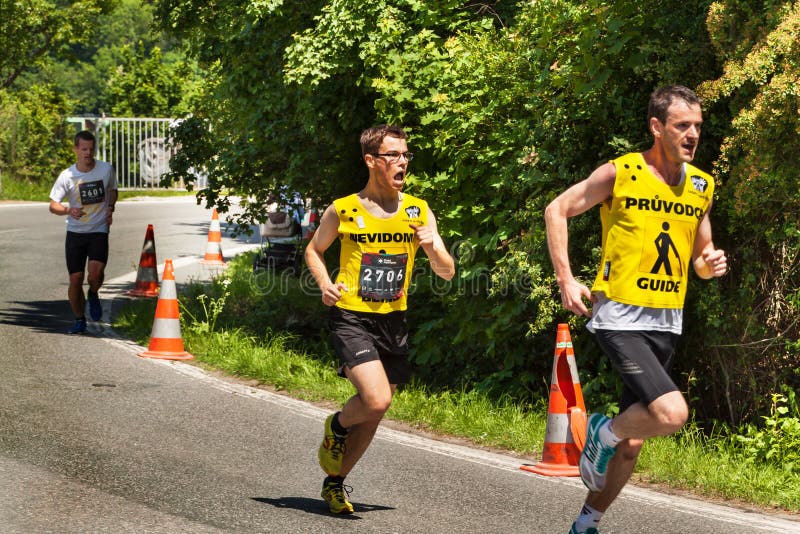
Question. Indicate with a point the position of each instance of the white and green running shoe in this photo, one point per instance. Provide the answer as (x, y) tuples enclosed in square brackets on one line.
[(596, 455), (590, 530)]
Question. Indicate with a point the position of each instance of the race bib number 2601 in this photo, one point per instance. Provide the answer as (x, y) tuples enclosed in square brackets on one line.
[(92, 192), (382, 276)]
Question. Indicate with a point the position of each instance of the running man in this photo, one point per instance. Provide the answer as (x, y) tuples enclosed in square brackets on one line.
[(646, 199), (90, 187), (380, 229)]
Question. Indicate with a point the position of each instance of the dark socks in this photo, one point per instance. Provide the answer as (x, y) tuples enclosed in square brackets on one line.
[(337, 427), (336, 480)]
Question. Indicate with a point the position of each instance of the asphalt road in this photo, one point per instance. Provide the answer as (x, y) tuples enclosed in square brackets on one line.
[(95, 439)]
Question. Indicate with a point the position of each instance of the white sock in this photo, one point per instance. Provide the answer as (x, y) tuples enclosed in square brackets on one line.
[(607, 435), (589, 517)]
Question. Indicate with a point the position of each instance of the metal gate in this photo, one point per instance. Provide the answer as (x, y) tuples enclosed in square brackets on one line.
[(139, 148)]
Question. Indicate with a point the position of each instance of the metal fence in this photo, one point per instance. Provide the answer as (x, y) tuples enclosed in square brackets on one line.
[(139, 148)]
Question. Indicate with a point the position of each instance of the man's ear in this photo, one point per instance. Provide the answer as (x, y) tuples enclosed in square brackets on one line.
[(656, 128)]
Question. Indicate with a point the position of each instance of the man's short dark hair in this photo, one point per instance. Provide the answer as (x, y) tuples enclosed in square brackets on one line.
[(661, 99), (371, 138), (85, 135)]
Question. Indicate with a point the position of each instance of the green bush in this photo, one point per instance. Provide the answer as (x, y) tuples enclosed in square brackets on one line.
[(506, 107), (23, 190), (778, 441), (260, 302), (35, 140), (749, 321)]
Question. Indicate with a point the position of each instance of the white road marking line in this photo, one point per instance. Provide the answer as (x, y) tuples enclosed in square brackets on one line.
[(684, 505)]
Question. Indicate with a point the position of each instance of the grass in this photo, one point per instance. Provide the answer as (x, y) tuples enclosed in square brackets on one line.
[(689, 461), (466, 414), (692, 462), (40, 192), (20, 190)]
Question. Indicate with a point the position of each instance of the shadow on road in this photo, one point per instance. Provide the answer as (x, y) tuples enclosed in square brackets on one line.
[(317, 506), (46, 316), (225, 229), (49, 316)]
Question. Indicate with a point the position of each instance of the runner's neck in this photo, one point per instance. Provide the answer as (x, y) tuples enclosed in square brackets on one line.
[(83, 169), (668, 172), (382, 207)]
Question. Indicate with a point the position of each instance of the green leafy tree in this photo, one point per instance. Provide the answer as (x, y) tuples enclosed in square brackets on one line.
[(507, 105), (753, 324), (84, 71), (34, 142), (505, 109), (33, 29), (120, 36), (33, 137), (143, 85), (270, 130), (67, 58)]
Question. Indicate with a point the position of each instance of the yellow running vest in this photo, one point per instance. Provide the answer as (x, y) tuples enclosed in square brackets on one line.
[(377, 255), (649, 229)]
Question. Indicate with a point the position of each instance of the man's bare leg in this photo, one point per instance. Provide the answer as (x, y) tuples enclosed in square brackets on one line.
[(620, 469), (96, 275), (77, 300), (662, 417), (363, 412)]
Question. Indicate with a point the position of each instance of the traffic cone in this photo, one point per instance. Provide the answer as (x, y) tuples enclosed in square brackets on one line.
[(146, 276), (566, 415), (165, 338), (214, 247)]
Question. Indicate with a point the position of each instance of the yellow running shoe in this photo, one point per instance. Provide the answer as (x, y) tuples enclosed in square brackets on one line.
[(336, 494), (331, 451)]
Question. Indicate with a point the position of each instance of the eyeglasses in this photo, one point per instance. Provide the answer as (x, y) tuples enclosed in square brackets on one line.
[(394, 156)]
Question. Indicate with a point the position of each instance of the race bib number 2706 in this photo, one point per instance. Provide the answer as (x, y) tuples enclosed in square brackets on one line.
[(382, 276)]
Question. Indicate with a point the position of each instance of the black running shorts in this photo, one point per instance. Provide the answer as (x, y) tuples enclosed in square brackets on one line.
[(360, 337), (643, 360), (79, 246)]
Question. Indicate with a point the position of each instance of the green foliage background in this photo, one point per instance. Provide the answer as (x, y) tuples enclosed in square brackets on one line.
[(83, 58), (752, 327), (507, 104)]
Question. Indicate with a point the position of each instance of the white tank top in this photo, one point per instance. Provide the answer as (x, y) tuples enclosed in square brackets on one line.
[(610, 315)]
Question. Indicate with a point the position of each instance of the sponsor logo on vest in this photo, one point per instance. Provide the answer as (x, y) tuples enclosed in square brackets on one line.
[(382, 237), (659, 286), (663, 206), (413, 212), (699, 183)]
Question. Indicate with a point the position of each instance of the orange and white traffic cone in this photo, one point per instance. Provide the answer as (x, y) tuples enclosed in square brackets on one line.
[(214, 247), (165, 338), (147, 275), (565, 433)]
